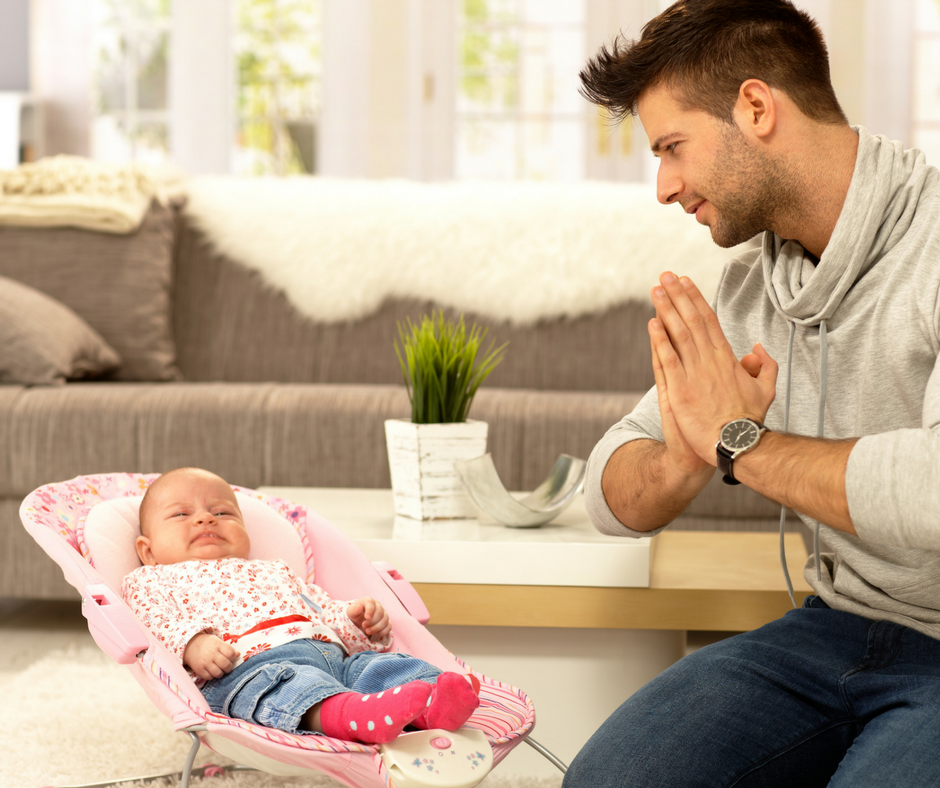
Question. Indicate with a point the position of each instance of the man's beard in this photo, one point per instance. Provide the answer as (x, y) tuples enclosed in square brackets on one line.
[(749, 190)]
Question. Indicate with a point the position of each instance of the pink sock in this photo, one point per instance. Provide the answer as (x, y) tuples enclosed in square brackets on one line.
[(453, 699), (376, 718)]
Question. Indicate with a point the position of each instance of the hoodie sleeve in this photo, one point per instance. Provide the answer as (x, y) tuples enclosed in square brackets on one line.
[(893, 481), (642, 423)]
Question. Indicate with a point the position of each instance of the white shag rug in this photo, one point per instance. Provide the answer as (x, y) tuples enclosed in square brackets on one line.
[(514, 251), (75, 717)]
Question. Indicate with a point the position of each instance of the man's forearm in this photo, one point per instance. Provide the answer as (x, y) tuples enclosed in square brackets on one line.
[(805, 474), (642, 489)]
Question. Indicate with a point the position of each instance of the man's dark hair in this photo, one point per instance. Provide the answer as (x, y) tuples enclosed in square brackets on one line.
[(705, 49)]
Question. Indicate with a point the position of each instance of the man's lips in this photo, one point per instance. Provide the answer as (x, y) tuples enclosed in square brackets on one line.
[(694, 208)]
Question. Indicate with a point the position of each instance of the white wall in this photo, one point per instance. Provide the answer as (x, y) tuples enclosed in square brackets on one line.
[(870, 60), (14, 45), (388, 74), (60, 72), (202, 86)]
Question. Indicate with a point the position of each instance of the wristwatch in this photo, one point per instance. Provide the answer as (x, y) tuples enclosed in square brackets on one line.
[(736, 437)]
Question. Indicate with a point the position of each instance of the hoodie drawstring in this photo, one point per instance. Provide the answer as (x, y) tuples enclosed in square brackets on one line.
[(820, 424)]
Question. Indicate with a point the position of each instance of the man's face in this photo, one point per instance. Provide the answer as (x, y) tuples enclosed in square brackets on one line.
[(709, 167), (193, 516)]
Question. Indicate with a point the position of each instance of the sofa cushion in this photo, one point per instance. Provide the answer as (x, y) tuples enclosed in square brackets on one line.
[(44, 342), (119, 284)]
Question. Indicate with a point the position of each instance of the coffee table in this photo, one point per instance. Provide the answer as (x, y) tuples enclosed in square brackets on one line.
[(566, 574)]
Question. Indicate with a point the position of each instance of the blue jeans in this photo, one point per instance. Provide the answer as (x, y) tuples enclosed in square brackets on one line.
[(816, 698), (274, 688)]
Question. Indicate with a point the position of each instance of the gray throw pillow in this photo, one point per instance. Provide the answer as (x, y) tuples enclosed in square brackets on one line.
[(120, 285), (45, 342)]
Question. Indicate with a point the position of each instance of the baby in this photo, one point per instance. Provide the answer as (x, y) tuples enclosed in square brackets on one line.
[(262, 644)]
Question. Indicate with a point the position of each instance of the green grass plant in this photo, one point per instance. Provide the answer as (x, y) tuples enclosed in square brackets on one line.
[(439, 362)]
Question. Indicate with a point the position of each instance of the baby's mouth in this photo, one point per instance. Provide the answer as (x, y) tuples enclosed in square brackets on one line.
[(206, 535)]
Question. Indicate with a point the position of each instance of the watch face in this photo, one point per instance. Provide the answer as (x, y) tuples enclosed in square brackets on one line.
[(739, 434)]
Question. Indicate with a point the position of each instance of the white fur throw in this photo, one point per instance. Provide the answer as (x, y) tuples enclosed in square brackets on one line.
[(519, 252)]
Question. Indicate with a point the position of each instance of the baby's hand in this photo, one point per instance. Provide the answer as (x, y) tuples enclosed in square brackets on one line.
[(370, 617), (209, 657)]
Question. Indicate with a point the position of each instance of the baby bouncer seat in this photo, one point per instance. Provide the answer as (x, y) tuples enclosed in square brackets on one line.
[(89, 524)]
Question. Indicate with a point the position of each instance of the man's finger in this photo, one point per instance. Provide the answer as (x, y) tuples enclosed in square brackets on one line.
[(681, 317), (664, 353), (710, 319)]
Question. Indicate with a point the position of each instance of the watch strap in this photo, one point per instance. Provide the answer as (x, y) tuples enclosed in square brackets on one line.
[(725, 465)]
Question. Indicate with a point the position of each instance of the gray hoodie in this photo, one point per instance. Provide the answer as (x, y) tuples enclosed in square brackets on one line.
[(857, 338)]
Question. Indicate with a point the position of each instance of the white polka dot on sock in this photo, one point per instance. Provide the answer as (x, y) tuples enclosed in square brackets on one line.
[(352, 725), (396, 690), (380, 694), (365, 698), (371, 725), (388, 720)]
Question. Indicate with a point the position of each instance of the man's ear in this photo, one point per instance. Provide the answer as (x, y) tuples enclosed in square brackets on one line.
[(144, 552), (756, 108)]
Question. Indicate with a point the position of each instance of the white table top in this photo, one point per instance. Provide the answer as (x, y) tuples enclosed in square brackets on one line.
[(565, 552)]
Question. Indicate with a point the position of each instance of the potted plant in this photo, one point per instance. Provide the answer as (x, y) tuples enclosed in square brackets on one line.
[(442, 365)]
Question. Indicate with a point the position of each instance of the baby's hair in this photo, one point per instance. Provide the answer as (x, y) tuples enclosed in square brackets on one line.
[(147, 502), (145, 506)]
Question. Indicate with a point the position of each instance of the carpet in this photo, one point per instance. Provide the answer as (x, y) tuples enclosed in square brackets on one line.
[(75, 717)]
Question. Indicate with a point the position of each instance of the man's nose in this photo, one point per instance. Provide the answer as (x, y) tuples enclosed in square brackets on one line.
[(668, 185)]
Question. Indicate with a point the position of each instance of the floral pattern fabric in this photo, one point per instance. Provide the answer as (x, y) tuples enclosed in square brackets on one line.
[(232, 596)]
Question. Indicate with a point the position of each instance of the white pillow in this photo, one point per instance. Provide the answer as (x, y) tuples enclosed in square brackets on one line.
[(112, 528)]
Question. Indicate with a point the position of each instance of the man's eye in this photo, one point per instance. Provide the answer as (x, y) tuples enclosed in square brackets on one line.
[(672, 147)]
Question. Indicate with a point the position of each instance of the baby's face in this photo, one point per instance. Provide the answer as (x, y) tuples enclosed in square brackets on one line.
[(193, 517)]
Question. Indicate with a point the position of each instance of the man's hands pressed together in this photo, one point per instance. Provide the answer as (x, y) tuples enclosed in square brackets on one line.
[(700, 383), (700, 387)]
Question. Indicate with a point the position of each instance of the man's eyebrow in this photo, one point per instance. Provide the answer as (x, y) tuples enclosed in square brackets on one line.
[(660, 142)]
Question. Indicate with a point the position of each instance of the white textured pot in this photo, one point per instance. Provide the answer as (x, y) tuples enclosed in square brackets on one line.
[(421, 459)]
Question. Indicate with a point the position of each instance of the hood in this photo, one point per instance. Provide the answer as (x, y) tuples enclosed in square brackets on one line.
[(879, 207)]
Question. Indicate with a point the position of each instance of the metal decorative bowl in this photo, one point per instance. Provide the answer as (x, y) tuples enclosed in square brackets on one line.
[(542, 505)]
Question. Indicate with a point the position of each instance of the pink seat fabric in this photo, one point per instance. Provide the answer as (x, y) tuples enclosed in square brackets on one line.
[(56, 515)]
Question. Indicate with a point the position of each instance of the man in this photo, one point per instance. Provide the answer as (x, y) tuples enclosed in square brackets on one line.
[(736, 100)]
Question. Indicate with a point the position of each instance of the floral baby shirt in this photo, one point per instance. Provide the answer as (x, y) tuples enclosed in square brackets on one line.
[(255, 605)]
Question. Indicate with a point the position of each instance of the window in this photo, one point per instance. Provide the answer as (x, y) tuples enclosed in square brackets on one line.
[(131, 47), (277, 52), (519, 114), (926, 104), (273, 58)]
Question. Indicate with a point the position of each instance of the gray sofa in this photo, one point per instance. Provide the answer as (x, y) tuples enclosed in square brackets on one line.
[(219, 370)]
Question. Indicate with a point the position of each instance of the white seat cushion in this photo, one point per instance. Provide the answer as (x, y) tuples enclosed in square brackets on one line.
[(112, 528)]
